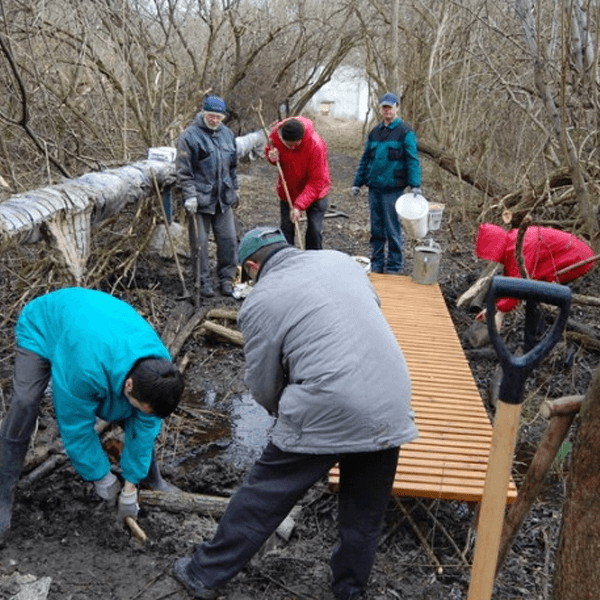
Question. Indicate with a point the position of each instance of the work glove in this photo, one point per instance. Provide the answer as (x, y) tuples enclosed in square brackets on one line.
[(355, 190), (498, 316), (191, 205), (128, 505), (236, 202), (416, 191), (108, 487)]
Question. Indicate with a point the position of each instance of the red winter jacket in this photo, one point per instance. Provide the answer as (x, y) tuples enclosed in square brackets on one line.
[(546, 251), (305, 168)]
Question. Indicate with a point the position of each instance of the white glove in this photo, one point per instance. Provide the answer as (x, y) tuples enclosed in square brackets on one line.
[(191, 205), (128, 505), (108, 487), (355, 190), (416, 191)]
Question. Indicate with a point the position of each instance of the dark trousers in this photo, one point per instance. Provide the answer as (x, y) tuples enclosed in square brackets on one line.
[(30, 378), (273, 486), (315, 215), (223, 227), (385, 229)]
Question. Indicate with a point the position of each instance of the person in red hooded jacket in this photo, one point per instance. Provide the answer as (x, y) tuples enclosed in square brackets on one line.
[(302, 155), (546, 253)]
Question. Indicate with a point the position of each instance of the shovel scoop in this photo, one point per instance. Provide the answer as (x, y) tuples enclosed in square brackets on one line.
[(516, 369)]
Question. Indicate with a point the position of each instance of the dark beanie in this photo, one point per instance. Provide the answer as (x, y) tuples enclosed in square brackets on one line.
[(292, 131)]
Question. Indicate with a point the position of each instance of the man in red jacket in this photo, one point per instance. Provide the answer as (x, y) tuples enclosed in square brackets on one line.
[(302, 155), (546, 252)]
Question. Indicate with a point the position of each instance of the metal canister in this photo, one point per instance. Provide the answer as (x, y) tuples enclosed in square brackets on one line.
[(426, 262)]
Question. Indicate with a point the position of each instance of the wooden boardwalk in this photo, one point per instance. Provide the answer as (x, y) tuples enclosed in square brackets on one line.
[(449, 460)]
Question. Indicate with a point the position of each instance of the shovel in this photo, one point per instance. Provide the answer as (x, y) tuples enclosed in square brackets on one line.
[(516, 369), (196, 258)]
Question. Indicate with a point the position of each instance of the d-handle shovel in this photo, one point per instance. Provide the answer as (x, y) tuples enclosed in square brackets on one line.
[(516, 369)]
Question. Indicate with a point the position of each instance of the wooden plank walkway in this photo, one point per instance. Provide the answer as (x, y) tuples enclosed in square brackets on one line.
[(449, 460)]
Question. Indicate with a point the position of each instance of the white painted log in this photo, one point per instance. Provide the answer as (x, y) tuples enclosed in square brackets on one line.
[(69, 209)]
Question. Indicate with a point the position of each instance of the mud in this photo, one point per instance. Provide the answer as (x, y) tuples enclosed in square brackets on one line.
[(63, 531)]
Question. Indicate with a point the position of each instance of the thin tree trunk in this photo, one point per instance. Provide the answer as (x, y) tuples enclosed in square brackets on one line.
[(577, 575)]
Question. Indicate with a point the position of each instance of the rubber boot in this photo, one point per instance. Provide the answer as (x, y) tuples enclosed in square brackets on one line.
[(154, 480), (12, 455)]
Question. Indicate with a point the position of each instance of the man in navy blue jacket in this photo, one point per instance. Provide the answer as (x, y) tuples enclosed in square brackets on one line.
[(389, 163)]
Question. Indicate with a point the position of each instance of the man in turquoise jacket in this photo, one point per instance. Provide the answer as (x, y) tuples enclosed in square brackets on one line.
[(389, 164), (105, 362)]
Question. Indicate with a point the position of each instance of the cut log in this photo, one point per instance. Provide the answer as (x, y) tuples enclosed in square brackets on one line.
[(235, 337), (567, 405)]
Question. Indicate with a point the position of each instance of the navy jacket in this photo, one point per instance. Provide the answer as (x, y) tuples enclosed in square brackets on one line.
[(390, 160)]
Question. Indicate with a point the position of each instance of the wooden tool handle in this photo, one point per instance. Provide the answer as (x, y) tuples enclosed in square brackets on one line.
[(493, 502), (138, 533)]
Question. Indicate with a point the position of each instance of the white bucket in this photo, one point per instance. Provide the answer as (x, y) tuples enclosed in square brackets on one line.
[(435, 215), (413, 212)]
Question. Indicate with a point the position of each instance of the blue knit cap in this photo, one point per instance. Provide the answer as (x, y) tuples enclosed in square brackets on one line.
[(215, 104)]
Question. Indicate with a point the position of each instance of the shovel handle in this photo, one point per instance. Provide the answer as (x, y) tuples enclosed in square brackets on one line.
[(517, 368)]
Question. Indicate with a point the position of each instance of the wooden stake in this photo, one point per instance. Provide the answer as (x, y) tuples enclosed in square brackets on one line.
[(557, 430)]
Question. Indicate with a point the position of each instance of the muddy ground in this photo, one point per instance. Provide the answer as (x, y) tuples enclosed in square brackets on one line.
[(62, 531)]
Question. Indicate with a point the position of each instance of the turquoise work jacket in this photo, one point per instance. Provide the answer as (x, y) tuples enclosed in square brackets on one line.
[(92, 340)]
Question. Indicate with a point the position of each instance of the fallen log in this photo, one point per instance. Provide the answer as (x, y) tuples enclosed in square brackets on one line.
[(212, 506), (591, 343), (40, 471), (479, 289), (178, 318), (176, 502), (588, 300), (185, 332), (222, 313)]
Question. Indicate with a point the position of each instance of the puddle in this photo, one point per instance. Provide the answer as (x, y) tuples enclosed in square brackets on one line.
[(250, 426)]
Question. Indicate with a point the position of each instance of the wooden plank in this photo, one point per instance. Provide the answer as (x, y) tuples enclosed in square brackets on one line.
[(449, 460)]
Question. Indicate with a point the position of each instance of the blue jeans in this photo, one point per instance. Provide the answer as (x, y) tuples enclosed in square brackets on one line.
[(385, 229), (275, 483)]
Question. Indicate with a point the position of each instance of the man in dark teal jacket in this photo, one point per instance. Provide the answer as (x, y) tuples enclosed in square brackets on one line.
[(105, 362), (389, 164)]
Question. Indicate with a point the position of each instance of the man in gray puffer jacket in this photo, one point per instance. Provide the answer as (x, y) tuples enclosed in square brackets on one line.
[(206, 172), (321, 357)]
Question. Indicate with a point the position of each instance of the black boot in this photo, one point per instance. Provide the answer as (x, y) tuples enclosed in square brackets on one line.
[(154, 480), (12, 455)]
